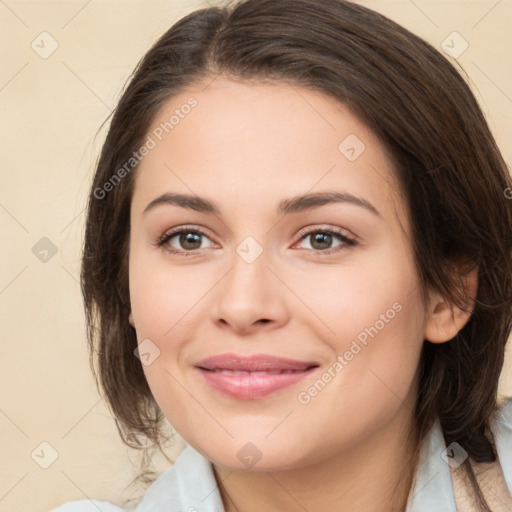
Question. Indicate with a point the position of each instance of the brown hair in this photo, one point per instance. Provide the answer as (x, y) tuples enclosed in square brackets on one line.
[(446, 160)]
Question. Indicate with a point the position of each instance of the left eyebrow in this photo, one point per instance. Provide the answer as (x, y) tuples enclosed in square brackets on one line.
[(315, 200), (286, 206)]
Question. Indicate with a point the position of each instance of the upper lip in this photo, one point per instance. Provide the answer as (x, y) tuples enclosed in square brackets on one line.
[(259, 362)]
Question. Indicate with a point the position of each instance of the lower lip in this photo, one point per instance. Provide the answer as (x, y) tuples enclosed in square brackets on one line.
[(254, 385)]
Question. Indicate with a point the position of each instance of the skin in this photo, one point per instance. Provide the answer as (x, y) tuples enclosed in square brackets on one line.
[(247, 146)]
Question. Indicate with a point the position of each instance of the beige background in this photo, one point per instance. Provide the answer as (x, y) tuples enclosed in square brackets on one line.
[(51, 110)]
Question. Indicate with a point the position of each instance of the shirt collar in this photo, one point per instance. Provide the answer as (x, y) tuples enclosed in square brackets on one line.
[(190, 484), (432, 485)]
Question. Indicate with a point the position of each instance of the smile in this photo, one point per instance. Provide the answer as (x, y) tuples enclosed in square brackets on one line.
[(252, 378)]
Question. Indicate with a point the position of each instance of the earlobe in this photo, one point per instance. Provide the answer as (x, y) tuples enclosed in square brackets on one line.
[(446, 319), (130, 319)]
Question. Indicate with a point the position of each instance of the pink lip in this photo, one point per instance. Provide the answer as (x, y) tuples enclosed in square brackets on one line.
[(263, 374)]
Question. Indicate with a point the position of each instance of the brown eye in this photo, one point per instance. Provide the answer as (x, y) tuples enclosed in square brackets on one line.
[(189, 240), (321, 240), (182, 241)]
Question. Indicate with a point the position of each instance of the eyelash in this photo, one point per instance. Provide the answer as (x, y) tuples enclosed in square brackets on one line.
[(303, 234)]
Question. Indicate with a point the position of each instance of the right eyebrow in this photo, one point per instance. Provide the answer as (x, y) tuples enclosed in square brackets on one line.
[(196, 203)]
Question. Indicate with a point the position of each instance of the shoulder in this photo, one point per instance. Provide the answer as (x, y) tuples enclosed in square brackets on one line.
[(502, 429), (189, 485), (88, 506), (432, 487), (505, 410), (502, 424), (494, 479)]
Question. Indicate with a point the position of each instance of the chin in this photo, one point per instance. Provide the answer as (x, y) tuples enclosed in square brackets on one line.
[(243, 455)]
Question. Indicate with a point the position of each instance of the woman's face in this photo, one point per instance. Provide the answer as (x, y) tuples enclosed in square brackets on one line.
[(327, 281)]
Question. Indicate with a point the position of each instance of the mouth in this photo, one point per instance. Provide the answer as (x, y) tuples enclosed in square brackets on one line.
[(255, 377)]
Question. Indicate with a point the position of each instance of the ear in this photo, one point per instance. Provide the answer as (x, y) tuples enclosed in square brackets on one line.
[(130, 319), (446, 319)]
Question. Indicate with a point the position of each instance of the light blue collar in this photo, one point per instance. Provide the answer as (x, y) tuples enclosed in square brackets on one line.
[(432, 488)]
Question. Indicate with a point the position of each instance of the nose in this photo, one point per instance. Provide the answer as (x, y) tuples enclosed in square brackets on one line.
[(250, 297)]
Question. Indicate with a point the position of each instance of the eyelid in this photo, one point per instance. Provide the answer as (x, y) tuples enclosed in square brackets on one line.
[(170, 233), (344, 233), (347, 239)]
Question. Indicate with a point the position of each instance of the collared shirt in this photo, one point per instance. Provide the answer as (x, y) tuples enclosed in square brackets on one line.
[(190, 485)]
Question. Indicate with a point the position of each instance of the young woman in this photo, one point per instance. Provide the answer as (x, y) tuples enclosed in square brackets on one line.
[(298, 251)]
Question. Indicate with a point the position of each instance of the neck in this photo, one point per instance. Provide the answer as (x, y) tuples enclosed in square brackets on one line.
[(375, 475)]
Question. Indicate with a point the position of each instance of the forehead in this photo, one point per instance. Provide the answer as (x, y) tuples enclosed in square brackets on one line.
[(256, 143)]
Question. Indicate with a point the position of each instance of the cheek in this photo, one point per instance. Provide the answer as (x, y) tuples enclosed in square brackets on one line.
[(372, 315), (162, 301), (377, 321), (378, 288), (167, 302), (162, 295)]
